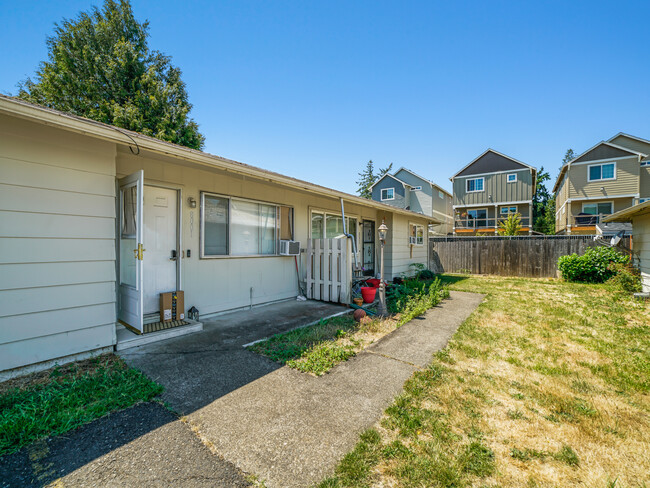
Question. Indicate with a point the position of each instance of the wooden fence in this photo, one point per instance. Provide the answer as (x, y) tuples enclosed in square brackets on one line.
[(525, 256), (329, 270)]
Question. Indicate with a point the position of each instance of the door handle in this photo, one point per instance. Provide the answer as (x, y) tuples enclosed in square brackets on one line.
[(174, 255), (139, 252)]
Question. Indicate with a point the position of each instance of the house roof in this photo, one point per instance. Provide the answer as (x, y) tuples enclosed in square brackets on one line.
[(54, 118), (626, 215), (577, 158), (629, 137), (424, 179), (391, 176), (497, 153)]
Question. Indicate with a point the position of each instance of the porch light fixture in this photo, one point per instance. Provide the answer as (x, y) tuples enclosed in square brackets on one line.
[(381, 309), (191, 201)]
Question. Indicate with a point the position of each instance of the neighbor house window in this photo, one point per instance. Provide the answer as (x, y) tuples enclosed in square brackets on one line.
[(475, 184), (416, 188), (604, 208), (388, 194), (441, 194), (512, 178), (508, 210), (237, 227), (645, 163), (643, 200), (605, 171), (477, 218), (416, 234)]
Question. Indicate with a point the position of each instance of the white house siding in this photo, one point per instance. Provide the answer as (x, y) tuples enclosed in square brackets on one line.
[(215, 285), (641, 245), (399, 254), (57, 242)]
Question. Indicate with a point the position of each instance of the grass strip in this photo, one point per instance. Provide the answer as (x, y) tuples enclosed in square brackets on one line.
[(64, 398), (318, 348)]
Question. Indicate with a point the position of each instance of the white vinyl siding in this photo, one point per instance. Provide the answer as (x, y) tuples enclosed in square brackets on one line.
[(57, 233)]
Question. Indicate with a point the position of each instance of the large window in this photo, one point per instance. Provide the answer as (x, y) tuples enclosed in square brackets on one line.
[(605, 171), (604, 208), (508, 210), (326, 225), (236, 227), (477, 218), (388, 194), (475, 184)]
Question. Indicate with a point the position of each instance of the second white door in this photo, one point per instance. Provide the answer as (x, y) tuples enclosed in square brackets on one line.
[(160, 242)]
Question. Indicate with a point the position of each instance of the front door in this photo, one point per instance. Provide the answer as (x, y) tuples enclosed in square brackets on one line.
[(368, 248), (160, 240), (131, 250)]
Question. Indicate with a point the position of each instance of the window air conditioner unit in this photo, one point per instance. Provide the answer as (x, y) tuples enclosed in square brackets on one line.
[(289, 248), (413, 240)]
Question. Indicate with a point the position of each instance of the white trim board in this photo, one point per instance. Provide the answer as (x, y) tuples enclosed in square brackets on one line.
[(604, 197), (490, 173), (604, 161)]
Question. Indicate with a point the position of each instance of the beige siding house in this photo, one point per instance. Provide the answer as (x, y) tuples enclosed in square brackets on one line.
[(490, 188), (639, 216), (96, 221), (607, 178)]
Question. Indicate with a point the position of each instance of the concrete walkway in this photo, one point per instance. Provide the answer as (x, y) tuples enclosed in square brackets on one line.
[(287, 428), (291, 429)]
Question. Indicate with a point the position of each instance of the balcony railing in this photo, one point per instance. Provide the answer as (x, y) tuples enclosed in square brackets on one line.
[(487, 223), (585, 220)]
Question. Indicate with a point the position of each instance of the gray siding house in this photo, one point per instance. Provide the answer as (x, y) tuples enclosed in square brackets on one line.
[(490, 188), (408, 190)]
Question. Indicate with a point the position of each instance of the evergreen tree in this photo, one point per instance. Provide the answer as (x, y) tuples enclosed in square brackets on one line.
[(543, 214), (99, 66), (568, 156), (368, 177)]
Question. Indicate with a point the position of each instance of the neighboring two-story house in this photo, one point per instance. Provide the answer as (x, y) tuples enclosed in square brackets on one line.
[(490, 188), (609, 177), (408, 190)]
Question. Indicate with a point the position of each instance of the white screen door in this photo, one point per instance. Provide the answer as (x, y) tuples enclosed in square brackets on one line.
[(131, 251)]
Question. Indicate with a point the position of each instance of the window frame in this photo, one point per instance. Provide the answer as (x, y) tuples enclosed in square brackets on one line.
[(507, 209), (416, 188), (381, 194), (645, 163), (476, 219), (508, 178), (611, 207), (467, 190), (643, 200), (589, 166), (229, 254), (415, 226)]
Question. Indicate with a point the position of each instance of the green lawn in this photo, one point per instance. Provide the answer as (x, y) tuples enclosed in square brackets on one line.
[(546, 384), (64, 398)]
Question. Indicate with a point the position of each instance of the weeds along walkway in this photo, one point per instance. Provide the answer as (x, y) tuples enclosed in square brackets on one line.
[(290, 429)]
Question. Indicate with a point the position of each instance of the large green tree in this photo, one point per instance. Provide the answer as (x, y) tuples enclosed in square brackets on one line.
[(368, 177), (100, 66), (543, 205)]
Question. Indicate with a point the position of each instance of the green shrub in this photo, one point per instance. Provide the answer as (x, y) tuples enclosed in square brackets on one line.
[(426, 274), (626, 278), (593, 266)]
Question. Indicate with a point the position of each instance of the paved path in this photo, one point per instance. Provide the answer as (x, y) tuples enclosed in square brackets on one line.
[(288, 428), (291, 429)]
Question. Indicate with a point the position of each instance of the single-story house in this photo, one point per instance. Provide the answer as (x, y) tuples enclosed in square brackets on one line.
[(639, 215), (97, 221)]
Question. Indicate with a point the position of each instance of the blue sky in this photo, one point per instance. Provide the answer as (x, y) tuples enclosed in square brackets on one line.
[(316, 89)]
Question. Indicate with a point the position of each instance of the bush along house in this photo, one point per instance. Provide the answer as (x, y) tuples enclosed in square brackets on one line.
[(609, 177), (490, 188), (97, 222)]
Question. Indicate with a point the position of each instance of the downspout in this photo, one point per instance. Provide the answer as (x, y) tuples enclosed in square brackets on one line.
[(349, 236)]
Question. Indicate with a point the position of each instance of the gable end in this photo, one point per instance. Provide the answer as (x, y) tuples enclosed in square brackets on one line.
[(491, 162), (603, 151)]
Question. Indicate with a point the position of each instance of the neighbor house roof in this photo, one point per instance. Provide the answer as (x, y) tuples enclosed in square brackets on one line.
[(54, 118), (577, 158), (629, 136), (388, 175), (424, 179), (626, 215), (497, 153)]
